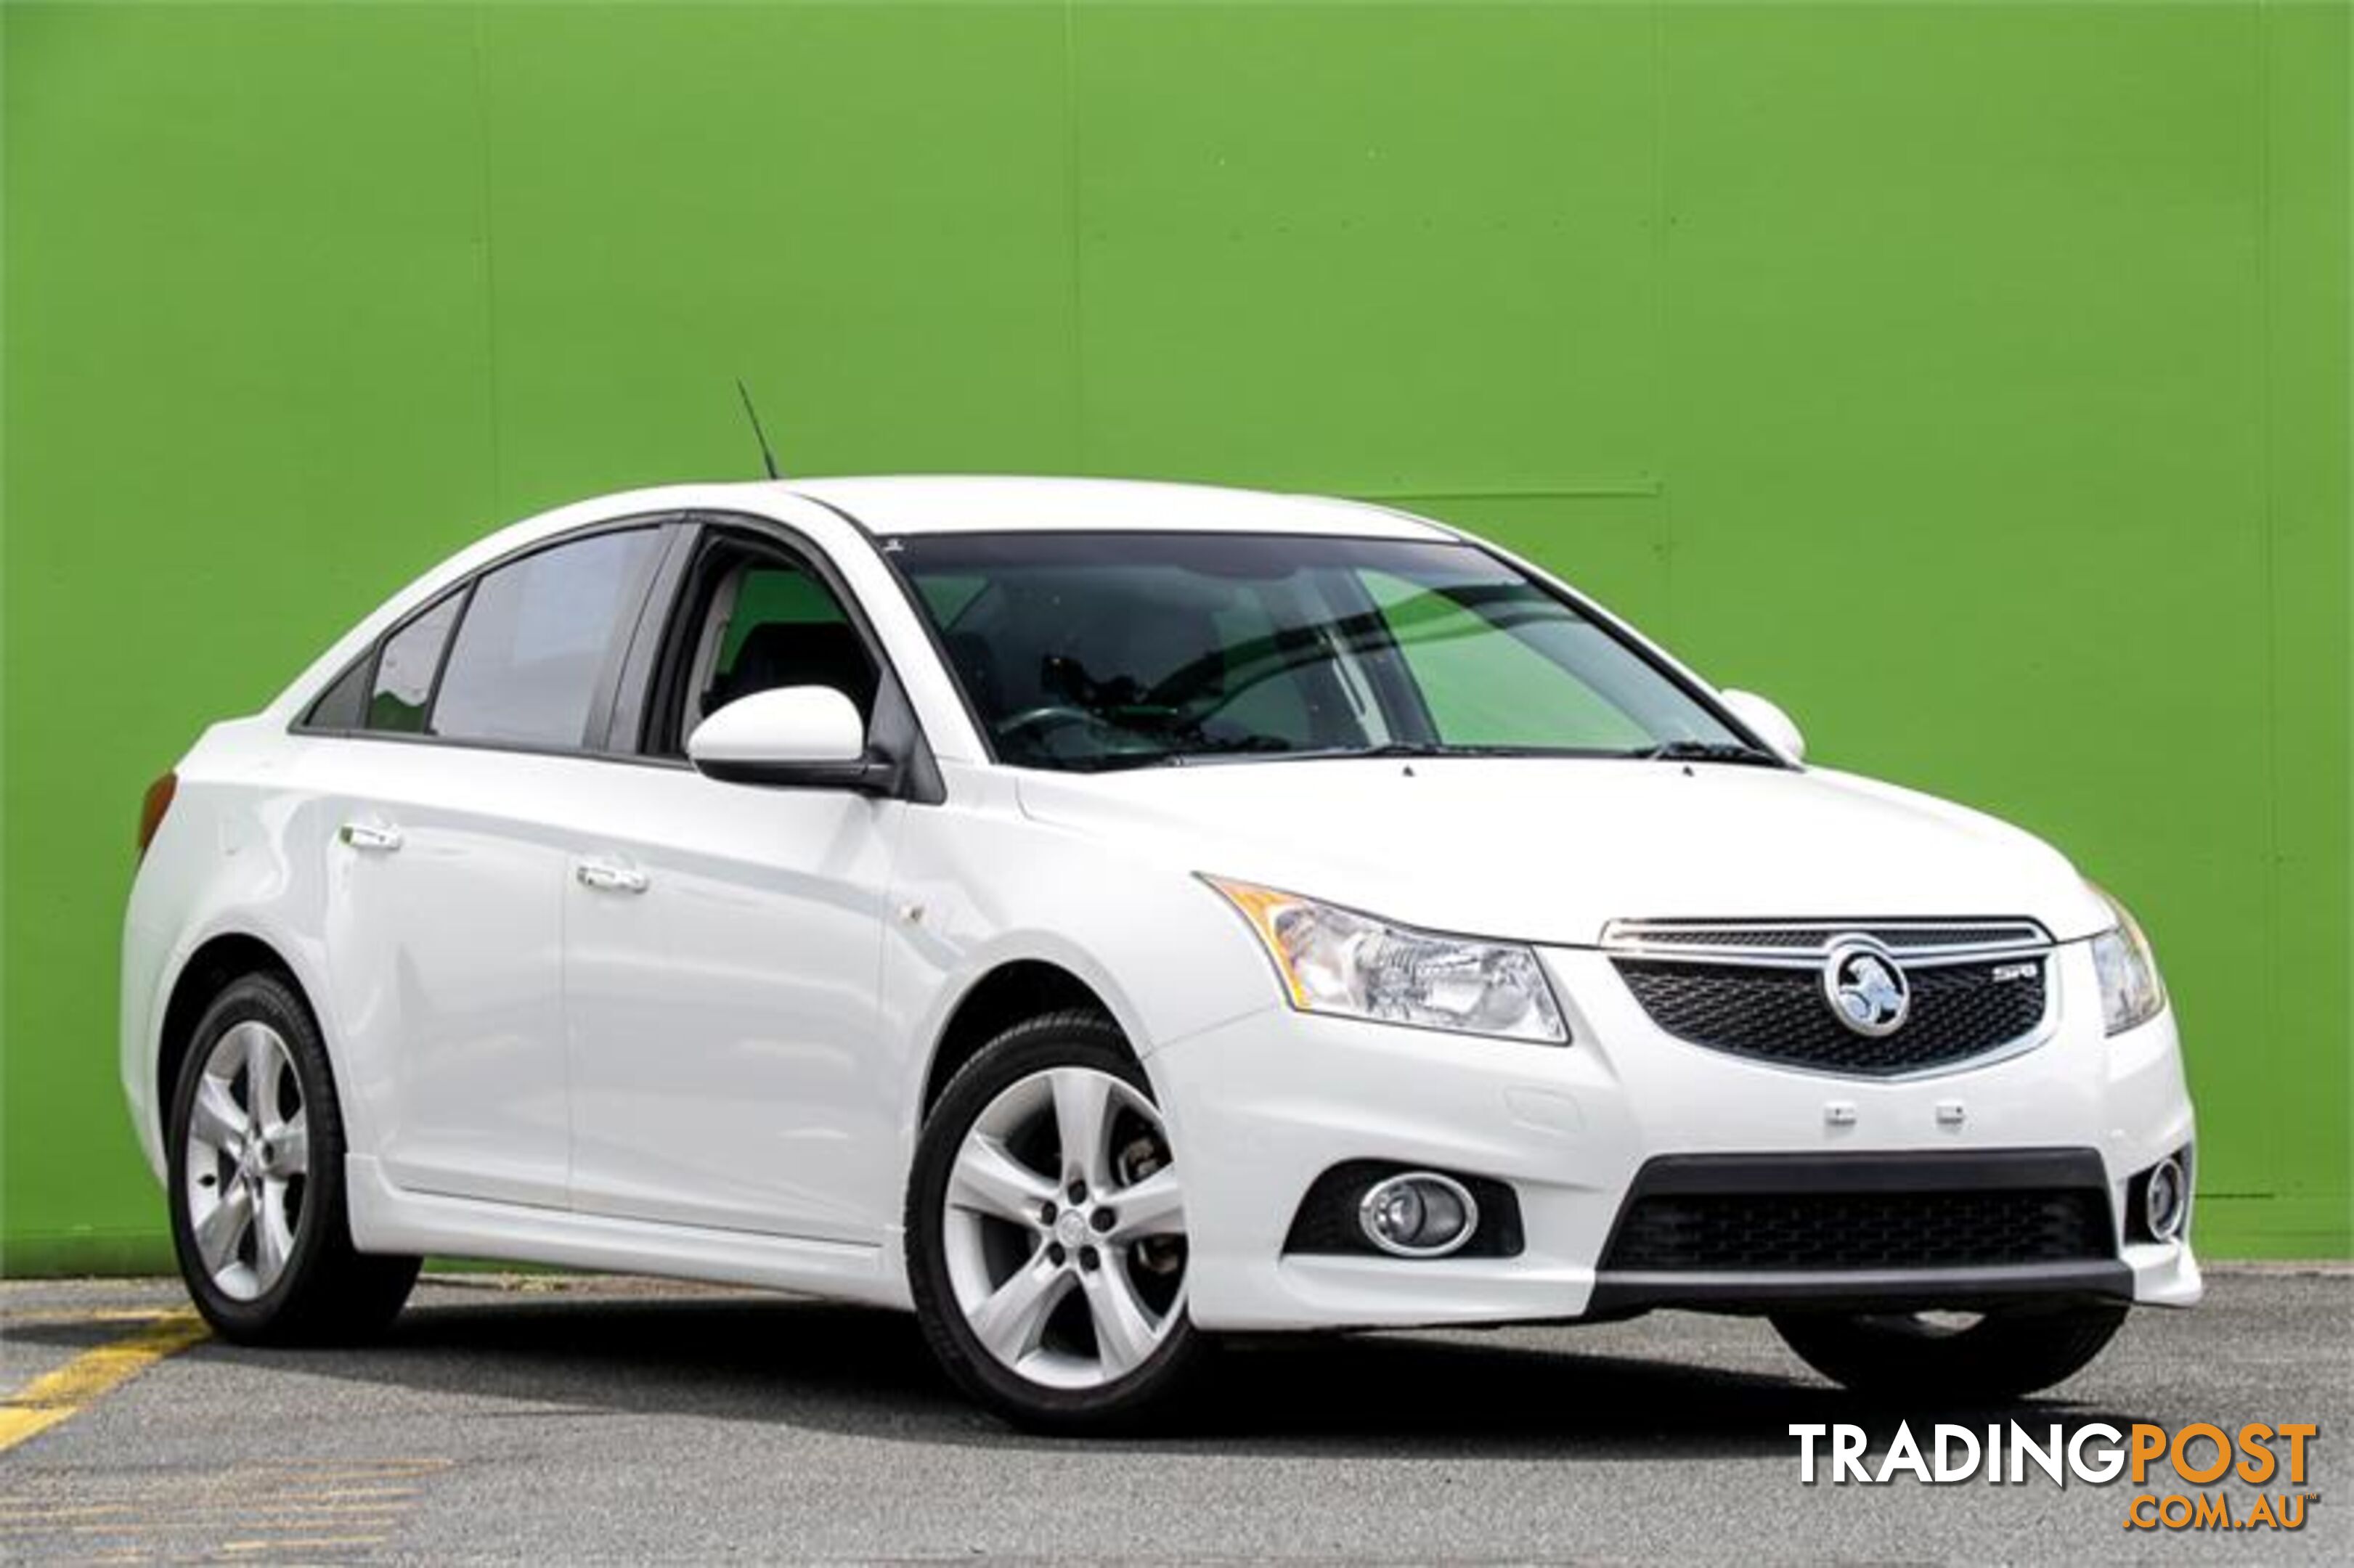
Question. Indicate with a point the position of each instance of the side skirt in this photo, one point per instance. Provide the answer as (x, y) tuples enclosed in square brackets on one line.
[(389, 1219)]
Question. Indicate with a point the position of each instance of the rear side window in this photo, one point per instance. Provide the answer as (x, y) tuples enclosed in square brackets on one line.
[(341, 704), (536, 641), (404, 676), (388, 694)]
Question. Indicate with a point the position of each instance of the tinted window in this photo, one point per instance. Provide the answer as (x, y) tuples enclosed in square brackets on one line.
[(404, 676), (534, 640)]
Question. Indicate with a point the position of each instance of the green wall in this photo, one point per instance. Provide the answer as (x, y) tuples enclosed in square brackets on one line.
[(1973, 379)]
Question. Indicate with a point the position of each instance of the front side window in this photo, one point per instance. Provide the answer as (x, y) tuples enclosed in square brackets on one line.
[(1095, 651), (753, 618), (775, 625), (534, 640)]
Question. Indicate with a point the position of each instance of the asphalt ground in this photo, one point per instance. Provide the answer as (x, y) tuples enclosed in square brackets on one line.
[(591, 1420)]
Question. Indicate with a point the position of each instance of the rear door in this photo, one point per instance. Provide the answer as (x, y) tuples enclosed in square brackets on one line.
[(450, 844)]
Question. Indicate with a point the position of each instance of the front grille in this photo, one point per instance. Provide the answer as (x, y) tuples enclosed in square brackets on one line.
[(1763, 1232), (1779, 1013)]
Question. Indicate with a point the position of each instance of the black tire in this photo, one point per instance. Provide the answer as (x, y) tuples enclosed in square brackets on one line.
[(326, 1291), (2002, 1356), (1065, 1038)]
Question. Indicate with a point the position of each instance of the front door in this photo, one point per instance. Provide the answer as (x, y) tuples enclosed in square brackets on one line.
[(721, 941)]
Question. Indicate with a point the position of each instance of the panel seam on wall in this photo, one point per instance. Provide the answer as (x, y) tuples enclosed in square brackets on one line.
[(2276, 1013), (1663, 361), (1077, 253), (489, 273)]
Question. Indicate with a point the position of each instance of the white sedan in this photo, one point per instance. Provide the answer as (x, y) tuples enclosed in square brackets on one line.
[(1100, 915)]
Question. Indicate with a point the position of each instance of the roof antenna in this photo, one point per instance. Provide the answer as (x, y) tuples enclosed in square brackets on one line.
[(768, 458)]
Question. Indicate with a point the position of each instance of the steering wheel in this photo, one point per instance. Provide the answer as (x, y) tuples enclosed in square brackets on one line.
[(1044, 717)]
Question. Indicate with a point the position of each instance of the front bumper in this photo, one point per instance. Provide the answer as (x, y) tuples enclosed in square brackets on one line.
[(1261, 1106)]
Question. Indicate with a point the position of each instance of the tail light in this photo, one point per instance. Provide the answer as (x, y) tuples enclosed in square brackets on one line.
[(152, 809)]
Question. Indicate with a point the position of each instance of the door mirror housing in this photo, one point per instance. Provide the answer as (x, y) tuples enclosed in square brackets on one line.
[(1770, 723), (807, 738)]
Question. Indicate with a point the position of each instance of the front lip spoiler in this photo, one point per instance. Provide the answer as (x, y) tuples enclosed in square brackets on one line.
[(1623, 1293)]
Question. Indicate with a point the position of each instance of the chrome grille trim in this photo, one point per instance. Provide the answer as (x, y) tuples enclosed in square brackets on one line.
[(1804, 944)]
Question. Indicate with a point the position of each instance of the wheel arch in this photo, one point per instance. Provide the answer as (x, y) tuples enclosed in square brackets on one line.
[(208, 969), (1009, 991)]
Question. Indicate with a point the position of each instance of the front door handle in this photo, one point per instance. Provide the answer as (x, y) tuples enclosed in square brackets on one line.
[(378, 837), (610, 876)]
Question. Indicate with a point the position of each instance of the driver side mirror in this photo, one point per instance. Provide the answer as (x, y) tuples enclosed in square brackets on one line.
[(1770, 723), (806, 738)]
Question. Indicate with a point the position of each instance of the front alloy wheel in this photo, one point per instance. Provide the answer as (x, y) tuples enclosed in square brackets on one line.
[(1048, 1229)]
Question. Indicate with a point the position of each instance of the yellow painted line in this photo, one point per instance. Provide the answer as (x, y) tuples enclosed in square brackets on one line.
[(59, 1395), (364, 1470), (124, 1518), (255, 1518), (285, 1544), (158, 1526), (48, 1316)]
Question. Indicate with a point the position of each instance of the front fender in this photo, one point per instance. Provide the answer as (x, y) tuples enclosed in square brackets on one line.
[(979, 885)]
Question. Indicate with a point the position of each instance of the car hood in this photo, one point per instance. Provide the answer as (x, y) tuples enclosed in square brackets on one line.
[(1551, 849)]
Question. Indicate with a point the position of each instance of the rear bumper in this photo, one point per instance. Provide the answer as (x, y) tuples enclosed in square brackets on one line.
[(1260, 1106)]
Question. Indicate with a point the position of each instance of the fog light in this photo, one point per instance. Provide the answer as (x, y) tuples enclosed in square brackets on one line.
[(2165, 1198), (1419, 1214)]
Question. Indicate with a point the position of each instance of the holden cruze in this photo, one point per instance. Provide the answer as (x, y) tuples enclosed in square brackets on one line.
[(1102, 916)]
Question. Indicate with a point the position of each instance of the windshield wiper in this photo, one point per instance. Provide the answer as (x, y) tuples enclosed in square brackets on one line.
[(1260, 748), (1201, 748), (1389, 748), (1397, 749), (1732, 751)]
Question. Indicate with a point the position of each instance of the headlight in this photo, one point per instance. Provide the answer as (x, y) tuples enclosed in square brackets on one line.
[(1339, 961), (2131, 992)]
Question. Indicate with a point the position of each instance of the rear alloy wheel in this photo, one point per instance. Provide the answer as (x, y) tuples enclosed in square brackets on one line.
[(256, 1147), (1047, 1230), (248, 1159), (1953, 1357)]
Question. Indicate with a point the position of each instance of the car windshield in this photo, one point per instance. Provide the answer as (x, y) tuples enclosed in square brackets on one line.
[(1093, 651)]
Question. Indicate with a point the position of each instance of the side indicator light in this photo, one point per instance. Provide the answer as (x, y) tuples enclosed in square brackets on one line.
[(152, 809)]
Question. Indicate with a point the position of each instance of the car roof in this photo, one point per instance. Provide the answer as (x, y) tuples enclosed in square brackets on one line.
[(988, 503)]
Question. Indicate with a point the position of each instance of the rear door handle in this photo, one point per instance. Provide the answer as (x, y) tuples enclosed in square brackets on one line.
[(380, 837), (610, 876)]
